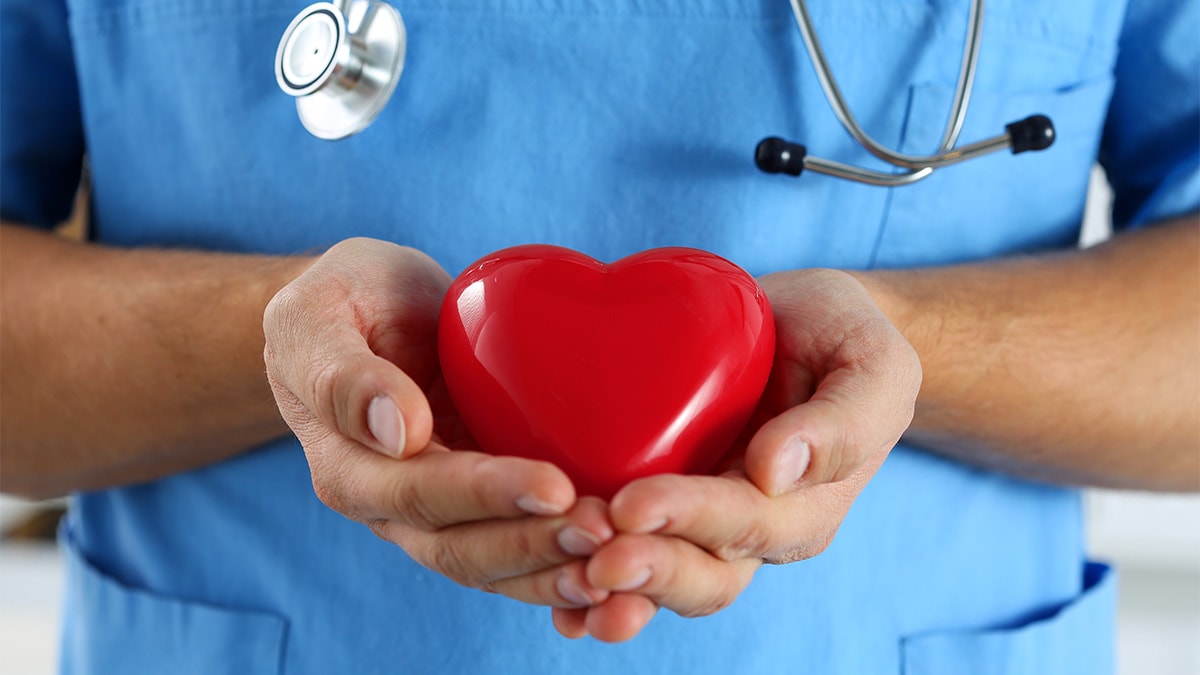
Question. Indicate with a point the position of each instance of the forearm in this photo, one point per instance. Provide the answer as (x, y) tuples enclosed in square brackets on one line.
[(1080, 367), (120, 365)]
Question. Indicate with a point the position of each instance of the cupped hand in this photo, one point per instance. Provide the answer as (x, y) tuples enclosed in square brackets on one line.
[(351, 355), (841, 394)]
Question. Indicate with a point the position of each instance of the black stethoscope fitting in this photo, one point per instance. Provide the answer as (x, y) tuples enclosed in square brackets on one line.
[(341, 60), (776, 155)]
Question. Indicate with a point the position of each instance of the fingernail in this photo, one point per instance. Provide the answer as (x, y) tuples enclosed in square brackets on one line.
[(571, 591), (534, 506), (577, 541), (636, 582), (651, 527), (793, 462), (387, 425)]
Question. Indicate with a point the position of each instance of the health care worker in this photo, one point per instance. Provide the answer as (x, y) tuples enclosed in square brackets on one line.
[(196, 542)]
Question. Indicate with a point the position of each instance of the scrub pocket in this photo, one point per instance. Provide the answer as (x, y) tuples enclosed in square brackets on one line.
[(1058, 62), (113, 628), (1077, 639), (1001, 204)]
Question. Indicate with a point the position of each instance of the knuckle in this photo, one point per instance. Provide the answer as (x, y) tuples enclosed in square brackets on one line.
[(535, 545), (449, 561), (339, 487), (905, 364), (482, 476), (270, 355), (723, 588), (709, 606), (836, 462), (279, 309), (323, 383), (286, 314), (844, 450), (280, 333), (379, 528), (915, 369), (329, 493), (413, 508), (332, 392), (814, 546), (291, 408), (521, 541), (720, 596), (748, 542), (818, 544)]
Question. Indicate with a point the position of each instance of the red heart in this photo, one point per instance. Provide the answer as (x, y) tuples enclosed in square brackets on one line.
[(652, 364)]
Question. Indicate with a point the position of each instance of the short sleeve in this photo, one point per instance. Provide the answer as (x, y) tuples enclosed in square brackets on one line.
[(41, 131), (1151, 144)]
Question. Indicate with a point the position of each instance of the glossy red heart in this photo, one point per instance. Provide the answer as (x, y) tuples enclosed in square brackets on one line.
[(651, 364)]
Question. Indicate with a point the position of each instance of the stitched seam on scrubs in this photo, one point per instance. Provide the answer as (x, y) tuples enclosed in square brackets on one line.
[(891, 191)]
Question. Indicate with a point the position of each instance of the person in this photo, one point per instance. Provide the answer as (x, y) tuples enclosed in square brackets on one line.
[(949, 366)]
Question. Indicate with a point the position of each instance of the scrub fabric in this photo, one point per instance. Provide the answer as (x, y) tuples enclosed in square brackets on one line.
[(608, 127)]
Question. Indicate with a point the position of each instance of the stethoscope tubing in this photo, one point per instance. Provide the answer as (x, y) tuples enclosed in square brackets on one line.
[(918, 166), (350, 63), (966, 152)]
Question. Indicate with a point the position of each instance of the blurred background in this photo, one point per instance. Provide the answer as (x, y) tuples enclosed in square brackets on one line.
[(1153, 539)]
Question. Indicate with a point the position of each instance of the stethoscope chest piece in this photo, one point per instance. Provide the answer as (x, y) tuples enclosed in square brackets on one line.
[(341, 61)]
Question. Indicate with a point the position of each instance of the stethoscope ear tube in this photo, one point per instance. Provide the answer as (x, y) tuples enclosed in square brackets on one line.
[(341, 59), (776, 155)]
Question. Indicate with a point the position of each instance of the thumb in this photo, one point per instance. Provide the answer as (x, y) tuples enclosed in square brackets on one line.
[(324, 374), (854, 416)]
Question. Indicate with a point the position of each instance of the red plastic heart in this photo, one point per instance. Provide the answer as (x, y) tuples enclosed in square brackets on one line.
[(652, 364)]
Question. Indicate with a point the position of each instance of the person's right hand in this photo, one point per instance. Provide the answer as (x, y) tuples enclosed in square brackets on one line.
[(351, 354)]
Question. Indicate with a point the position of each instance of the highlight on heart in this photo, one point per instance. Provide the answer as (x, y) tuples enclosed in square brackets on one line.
[(612, 371)]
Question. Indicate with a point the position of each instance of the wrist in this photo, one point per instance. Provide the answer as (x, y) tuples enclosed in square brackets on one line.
[(890, 294), (910, 301)]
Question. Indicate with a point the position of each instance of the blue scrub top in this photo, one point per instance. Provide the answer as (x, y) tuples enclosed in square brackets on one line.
[(609, 127)]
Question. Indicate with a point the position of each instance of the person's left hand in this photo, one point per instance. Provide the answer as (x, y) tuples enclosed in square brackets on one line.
[(841, 393)]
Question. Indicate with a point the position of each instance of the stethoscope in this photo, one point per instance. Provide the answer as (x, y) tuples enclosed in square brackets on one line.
[(341, 60)]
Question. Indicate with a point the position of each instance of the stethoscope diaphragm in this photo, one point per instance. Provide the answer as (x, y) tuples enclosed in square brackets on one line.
[(341, 62)]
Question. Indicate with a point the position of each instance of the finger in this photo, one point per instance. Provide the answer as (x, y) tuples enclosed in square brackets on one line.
[(522, 558), (570, 623), (565, 586), (726, 516), (323, 367), (620, 618), (336, 333), (731, 519), (859, 410), (671, 572), (436, 488)]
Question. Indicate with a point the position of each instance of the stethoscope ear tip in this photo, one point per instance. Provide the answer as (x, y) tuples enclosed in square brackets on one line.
[(1035, 132), (775, 155)]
